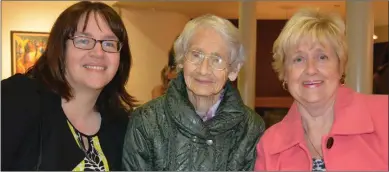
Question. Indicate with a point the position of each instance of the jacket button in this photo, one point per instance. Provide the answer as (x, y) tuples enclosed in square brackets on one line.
[(330, 142), (209, 142), (194, 138)]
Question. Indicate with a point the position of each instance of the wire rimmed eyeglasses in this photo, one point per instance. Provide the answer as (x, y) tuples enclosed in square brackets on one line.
[(197, 57)]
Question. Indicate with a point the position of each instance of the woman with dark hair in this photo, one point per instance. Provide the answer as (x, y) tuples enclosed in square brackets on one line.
[(171, 61), (167, 74), (70, 110)]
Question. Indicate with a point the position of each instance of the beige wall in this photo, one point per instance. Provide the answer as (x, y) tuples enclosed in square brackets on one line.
[(151, 35), (36, 16), (382, 33)]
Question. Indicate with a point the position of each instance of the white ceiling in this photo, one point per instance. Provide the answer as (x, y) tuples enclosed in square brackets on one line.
[(265, 9)]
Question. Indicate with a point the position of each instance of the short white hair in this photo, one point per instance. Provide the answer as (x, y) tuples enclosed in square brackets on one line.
[(222, 26)]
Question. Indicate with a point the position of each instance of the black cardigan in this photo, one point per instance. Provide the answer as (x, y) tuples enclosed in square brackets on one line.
[(25, 105)]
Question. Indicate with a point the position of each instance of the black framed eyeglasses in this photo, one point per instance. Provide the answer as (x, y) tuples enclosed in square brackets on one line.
[(87, 43)]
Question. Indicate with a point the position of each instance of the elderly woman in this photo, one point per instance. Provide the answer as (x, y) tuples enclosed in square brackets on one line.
[(201, 123), (329, 126)]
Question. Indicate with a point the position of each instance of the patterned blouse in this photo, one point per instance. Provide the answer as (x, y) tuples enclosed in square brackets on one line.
[(211, 112), (318, 165), (94, 157)]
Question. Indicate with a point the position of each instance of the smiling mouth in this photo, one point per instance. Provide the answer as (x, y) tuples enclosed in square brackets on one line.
[(204, 81), (92, 67), (312, 84)]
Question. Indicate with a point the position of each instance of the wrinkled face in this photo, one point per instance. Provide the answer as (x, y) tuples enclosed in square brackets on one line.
[(207, 77), (312, 72), (91, 69)]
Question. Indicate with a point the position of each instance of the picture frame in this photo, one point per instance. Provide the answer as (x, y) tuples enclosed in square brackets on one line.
[(26, 49)]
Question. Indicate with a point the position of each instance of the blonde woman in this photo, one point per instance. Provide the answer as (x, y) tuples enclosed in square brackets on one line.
[(329, 126)]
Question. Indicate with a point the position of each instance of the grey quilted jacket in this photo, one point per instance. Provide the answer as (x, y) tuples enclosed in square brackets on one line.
[(167, 134)]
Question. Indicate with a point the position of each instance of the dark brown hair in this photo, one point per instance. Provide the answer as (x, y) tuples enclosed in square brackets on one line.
[(50, 67)]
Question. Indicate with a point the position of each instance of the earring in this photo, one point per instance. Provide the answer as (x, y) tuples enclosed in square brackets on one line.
[(284, 86), (342, 79)]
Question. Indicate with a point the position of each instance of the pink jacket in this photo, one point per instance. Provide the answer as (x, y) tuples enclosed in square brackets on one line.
[(359, 133)]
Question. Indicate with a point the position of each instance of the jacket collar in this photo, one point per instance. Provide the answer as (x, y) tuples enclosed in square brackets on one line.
[(229, 113), (351, 118)]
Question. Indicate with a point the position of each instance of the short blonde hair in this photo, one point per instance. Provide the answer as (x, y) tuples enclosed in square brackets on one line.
[(315, 25), (222, 26)]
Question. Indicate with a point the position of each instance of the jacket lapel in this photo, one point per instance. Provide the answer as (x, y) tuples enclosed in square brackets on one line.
[(229, 113), (350, 118), (351, 115), (60, 150), (290, 132)]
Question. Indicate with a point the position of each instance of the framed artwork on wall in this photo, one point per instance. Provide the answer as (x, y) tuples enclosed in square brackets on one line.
[(26, 48)]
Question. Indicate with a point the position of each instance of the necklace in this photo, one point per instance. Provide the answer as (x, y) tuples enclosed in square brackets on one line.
[(313, 146), (82, 145)]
